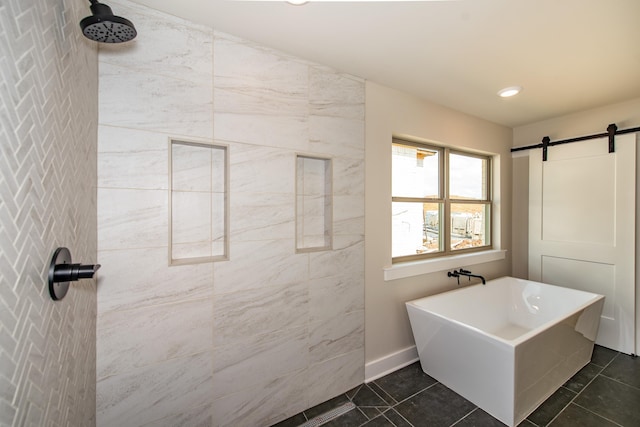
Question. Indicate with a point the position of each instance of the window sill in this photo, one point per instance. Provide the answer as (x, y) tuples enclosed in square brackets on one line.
[(416, 268)]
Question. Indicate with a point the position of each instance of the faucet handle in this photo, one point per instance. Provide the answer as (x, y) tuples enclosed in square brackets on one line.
[(454, 274)]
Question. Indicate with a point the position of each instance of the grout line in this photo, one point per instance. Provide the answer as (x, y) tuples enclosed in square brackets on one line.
[(597, 414), (602, 368), (382, 398), (462, 418)]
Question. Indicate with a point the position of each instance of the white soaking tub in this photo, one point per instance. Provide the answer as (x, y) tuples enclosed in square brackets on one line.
[(508, 345)]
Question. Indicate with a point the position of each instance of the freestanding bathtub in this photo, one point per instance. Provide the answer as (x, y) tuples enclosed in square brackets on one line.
[(508, 345)]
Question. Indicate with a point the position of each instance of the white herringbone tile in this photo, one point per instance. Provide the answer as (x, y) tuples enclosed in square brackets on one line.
[(48, 135)]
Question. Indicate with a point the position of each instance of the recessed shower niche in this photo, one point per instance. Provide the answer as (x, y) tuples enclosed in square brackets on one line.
[(314, 207), (198, 206)]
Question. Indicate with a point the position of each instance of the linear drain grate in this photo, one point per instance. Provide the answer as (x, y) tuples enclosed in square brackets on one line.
[(328, 416)]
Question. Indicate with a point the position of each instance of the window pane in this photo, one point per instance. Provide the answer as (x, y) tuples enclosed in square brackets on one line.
[(416, 228), (467, 177), (469, 225), (415, 172)]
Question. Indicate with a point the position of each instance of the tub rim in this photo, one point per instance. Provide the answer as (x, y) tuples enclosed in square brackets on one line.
[(522, 338)]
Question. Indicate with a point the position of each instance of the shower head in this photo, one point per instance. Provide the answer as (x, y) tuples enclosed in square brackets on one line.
[(104, 27)]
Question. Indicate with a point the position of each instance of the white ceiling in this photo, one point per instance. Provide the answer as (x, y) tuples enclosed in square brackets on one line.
[(569, 55)]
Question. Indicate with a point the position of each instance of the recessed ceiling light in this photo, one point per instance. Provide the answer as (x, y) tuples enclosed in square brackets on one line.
[(509, 91)]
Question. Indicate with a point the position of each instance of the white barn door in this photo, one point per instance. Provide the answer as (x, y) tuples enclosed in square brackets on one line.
[(582, 228)]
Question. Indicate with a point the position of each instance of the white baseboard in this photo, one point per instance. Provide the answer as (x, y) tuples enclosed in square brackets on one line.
[(385, 365)]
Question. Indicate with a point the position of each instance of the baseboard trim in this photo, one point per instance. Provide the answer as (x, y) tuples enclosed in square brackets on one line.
[(385, 365)]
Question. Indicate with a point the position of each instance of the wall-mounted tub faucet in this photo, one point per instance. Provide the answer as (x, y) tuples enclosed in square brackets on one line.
[(462, 272)]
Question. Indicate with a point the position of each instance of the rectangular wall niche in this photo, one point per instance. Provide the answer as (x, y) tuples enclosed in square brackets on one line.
[(314, 210), (197, 202)]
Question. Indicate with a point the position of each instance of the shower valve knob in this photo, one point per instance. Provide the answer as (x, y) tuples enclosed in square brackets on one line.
[(62, 271)]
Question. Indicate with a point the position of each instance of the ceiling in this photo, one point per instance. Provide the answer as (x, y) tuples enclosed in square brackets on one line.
[(568, 55)]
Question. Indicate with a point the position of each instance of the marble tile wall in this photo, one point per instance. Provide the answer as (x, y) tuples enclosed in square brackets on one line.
[(236, 342)]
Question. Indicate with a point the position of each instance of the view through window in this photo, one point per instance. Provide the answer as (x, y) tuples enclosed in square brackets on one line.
[(441, 201)]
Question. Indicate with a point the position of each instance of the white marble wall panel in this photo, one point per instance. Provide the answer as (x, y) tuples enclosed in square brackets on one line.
[(169, 331), (130, 158), (348, 177), (291, 132), (341, 260), (335, 376), (257, 169), (338, 335), (238, 315), (258, 358), (191, 217), (252, 79), (336, 136), (192, 417), (195, 250), (262, 216), (334, 94), (267, 403), (348, 214), (133, 278), (260, 263), (132, 218), (154, 102), (257, 361), (330, 297), (191, 167), (154, 392), (165, 45)]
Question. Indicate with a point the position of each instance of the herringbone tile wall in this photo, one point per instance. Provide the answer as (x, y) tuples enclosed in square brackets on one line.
[(48, 134)]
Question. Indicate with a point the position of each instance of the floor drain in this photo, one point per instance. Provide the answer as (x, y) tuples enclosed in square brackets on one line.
[(328, 416)]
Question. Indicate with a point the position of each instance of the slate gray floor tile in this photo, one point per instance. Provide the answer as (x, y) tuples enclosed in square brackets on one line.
[(602, 356), (367, 397), (605, 393), (574, 416), (434, 407), (397, 419), (380, 421), (479, 418), (583, 377), (625, 369), (405, 382), (612, 400), (352, 418), (551, 407)]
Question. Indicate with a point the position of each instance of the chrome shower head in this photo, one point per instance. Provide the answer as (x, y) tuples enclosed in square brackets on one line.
[(104, 27)]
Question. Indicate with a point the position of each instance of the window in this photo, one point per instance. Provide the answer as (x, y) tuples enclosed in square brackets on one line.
[(441, 201)]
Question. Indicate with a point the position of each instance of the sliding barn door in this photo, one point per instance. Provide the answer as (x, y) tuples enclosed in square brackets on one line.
[(582, 228)]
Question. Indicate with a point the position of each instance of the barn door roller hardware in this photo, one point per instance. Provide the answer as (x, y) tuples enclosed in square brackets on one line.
[(612, 131)]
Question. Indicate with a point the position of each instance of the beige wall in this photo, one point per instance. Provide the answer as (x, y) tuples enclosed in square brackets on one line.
[(625, 115), (48, 138), (388, 113)]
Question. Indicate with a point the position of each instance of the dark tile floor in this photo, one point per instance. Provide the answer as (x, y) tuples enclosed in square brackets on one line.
[(604, 393)]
